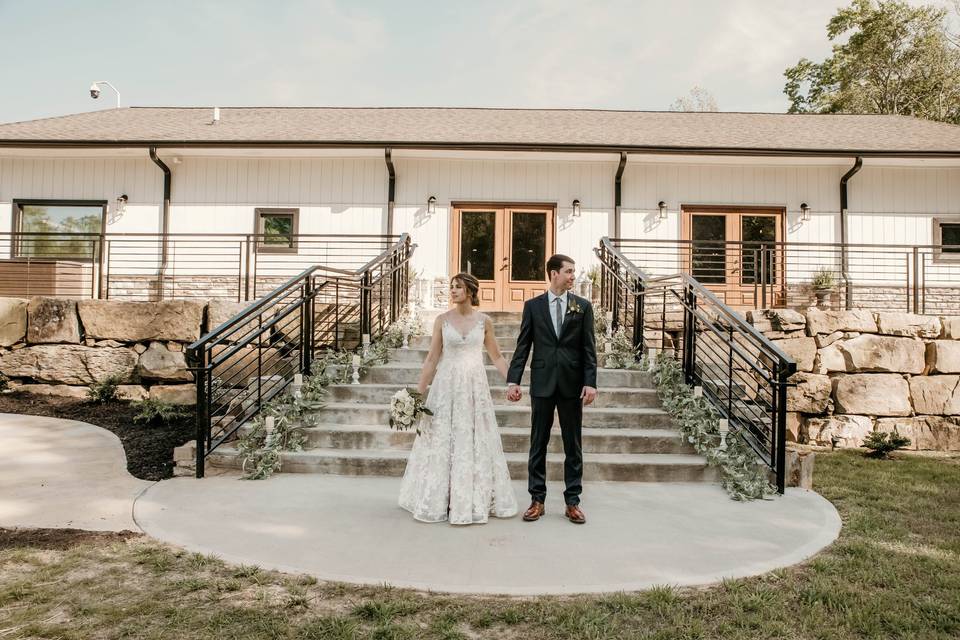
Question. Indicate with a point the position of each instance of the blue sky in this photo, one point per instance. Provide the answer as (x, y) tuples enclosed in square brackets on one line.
[(525, 53)]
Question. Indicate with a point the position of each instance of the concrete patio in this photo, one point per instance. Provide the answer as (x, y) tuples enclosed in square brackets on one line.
[(57, 473)]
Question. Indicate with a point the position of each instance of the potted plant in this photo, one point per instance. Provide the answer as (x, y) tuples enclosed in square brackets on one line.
[(823, 282)]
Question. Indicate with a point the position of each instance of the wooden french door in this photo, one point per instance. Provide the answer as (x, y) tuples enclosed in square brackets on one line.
[(506, 247), (736, 253)]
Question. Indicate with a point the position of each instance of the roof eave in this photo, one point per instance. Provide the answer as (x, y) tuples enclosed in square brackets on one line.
[(480, 146)]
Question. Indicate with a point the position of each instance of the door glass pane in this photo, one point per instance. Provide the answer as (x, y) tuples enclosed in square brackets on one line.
[(477, 232), (53, 219), (529, 242), (757, 255), (709, 234)]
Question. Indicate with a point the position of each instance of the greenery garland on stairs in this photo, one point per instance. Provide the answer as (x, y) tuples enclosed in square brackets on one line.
[(261, 449), (740, 474)]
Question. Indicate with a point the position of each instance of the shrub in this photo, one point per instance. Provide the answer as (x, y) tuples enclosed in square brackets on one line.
[(104, 390), (823, 279), (152, 411), (881, 445)]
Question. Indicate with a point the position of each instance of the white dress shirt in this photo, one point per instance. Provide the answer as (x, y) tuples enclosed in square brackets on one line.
[(553, 309)]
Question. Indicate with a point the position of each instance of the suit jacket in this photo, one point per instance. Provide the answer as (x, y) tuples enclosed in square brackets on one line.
[(561, 365)]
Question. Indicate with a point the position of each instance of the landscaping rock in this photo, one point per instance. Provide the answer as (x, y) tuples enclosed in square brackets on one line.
[(794, 425), (944, 356), (878, 394), (219, 311), (69, 364), (159, 363), (803, 350), (141, 321), (951, 327), (52, 320), (185, 394), (57, 390), (926, 433), (799, 472), (13, 320), (883, 353), (908, 324), (133, 392), (106, 343), (787, 319), (827, 340), (829, 321), (811, 395), (829, 360), (936, 395), (839, 431)]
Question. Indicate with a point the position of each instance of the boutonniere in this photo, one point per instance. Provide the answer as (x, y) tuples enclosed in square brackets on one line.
[(573, 307)]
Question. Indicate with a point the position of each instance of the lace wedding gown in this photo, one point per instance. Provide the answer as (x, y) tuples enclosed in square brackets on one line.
[(457, 470)]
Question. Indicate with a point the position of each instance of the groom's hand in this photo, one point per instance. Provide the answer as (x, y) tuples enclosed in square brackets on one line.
[(513, 393), (588, 395)]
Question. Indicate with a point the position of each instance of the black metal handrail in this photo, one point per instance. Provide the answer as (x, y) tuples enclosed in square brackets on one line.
[(741, 373), (247, 360)]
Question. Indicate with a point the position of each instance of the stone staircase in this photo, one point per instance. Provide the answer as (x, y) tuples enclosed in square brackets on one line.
[(627, 436)]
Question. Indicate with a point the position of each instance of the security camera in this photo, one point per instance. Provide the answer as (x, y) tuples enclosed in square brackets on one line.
[(94, 91)]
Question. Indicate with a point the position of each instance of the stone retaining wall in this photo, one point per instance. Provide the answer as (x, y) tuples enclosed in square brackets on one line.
[(861, 371), (60, 346)]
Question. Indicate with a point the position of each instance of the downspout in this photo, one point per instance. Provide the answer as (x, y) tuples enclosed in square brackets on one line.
[(164, 219), (391, 189), (844, 257), (618, 194)]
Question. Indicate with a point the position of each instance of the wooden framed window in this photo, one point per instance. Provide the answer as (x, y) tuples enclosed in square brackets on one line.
[(946, 239), (57, 229), (277, 230)]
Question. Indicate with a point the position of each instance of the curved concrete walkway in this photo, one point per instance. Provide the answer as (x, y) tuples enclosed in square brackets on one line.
[(350, 529), (61, 473), (64, 474)]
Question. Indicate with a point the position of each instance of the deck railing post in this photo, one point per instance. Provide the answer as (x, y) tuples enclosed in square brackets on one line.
[(780, 437), (203, 375), (916, 280), (101, 267)]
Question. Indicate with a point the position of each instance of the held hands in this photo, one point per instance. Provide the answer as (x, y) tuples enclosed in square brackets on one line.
[(588, 395), (513, 393)]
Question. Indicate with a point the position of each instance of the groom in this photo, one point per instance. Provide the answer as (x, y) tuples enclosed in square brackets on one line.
[(563, 376)]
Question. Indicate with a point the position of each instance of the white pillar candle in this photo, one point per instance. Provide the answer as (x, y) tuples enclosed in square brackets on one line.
[(298, 379), (268, 424), (366, 338), (608, 347), (356, 360), (698, 392)]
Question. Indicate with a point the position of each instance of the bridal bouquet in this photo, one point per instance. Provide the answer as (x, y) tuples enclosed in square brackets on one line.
[(406, 407)]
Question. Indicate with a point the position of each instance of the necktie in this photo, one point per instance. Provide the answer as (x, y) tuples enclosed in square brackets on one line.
[(559, 316)]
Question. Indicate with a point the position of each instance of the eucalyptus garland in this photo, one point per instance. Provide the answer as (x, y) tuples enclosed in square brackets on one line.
[(621, 354), (261, 448), (740, 475)]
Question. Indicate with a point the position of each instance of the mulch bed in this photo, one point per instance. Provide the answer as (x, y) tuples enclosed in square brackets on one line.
[(149, 448), (58, 539)]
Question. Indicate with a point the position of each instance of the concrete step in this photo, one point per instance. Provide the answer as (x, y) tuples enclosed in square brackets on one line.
[(409, 374), (620, 467), (507, 416), (607, 398), (506, 329), (515, 439)]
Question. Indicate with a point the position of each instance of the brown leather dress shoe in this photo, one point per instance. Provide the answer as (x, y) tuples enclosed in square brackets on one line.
[(575, 515), (534, 512)]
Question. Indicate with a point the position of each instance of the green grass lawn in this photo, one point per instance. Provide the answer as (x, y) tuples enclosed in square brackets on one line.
[(894, 573)]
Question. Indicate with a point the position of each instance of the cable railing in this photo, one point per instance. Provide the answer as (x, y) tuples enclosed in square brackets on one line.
[(254, 356), (149, 267), (743, 375), (760, 275)]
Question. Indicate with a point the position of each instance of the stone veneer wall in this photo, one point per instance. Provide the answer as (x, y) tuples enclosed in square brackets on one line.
[(60, 346), (862, 371)]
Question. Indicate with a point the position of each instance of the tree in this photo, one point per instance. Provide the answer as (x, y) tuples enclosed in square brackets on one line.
[(897, 59), (699, 99)]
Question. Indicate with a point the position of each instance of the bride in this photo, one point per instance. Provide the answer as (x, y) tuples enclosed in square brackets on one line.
[(457, 471)]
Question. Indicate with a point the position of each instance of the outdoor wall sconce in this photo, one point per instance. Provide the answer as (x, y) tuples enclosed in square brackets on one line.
[(121, 204), (432, 204), (662, 206), (576, 208), (804, 212)]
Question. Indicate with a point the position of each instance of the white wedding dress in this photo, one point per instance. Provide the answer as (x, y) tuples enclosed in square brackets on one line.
[(457, 471)]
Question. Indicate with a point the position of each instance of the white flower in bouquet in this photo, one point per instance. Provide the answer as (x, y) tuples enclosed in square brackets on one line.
[(406, 408)]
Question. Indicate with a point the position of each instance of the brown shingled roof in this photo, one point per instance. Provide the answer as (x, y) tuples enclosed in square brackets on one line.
[(493, 129)]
